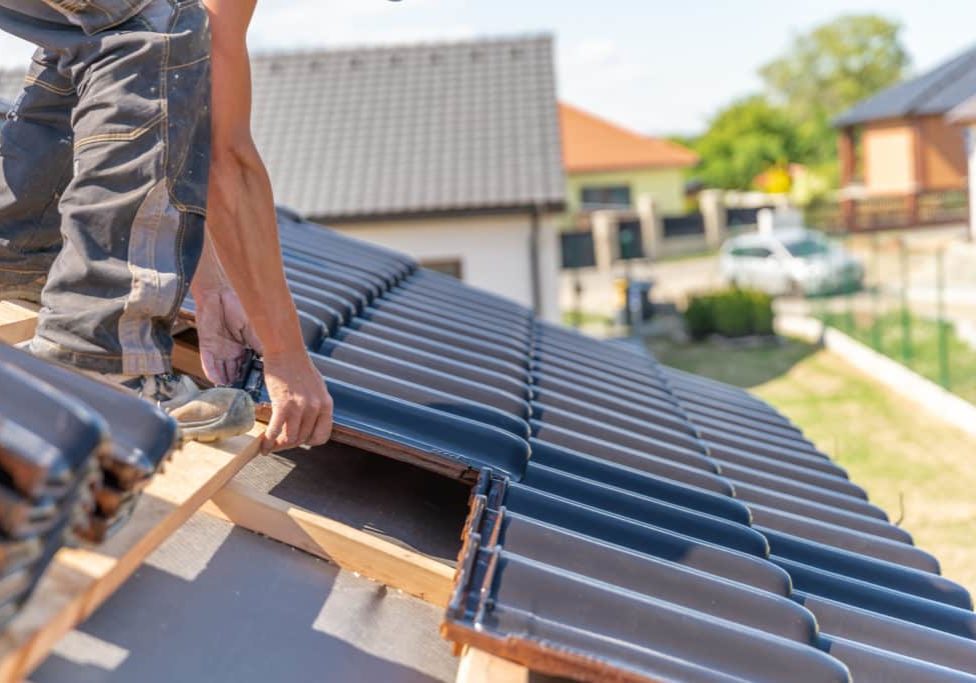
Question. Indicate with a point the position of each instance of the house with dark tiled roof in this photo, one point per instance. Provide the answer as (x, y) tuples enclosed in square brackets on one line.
[(899, 145), (449, 152)]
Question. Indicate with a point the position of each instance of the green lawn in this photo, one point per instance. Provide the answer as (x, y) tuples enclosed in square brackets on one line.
[(912, 465), (887, 336)]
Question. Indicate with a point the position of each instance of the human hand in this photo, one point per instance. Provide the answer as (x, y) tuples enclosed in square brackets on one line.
[(301, 407), (224, 332)]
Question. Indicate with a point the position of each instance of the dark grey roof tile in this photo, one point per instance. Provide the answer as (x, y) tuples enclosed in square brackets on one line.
[(408, 129)]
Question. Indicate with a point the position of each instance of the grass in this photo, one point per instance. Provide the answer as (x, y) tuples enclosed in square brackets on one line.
[(887, 338), (688, 256), (919, 470)]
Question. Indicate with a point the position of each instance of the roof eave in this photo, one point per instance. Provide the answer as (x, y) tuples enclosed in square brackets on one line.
[(609, 168), (543, 206)]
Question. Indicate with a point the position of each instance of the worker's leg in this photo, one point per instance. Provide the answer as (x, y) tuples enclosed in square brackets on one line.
[(132, 215), (35, 166)]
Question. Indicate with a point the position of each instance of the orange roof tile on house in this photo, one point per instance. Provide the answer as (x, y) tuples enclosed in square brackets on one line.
[(594, 144)]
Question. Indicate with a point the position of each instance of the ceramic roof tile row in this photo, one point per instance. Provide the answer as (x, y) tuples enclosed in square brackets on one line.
[(936, 91), (411, 129), (629, 519), (74, 455)]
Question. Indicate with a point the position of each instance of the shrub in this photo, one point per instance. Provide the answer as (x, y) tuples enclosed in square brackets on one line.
[(700, 317), (731, 313)]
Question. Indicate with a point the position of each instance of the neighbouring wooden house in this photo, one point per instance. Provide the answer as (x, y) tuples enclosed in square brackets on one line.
[(902, 163)]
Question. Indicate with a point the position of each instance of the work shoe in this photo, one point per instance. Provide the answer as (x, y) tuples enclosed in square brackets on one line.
[(202, 414)]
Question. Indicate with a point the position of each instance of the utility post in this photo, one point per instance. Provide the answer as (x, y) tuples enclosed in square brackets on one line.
[(906, 320), (944, 374)]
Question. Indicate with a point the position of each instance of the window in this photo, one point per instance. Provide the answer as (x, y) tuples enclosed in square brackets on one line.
[(806, 247), (609, 196), (752, 252), (450, 267)]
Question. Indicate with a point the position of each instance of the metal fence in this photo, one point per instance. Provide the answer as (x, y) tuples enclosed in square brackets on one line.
[(890, 212), (684, 226), (917, 305)]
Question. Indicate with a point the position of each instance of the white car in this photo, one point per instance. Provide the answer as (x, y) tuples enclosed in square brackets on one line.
[(790, 261)]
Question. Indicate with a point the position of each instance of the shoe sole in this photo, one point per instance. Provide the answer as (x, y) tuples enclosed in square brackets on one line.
[(239, 419)]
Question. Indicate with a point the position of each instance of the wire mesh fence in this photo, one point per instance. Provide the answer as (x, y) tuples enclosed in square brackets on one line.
[(917, 305)]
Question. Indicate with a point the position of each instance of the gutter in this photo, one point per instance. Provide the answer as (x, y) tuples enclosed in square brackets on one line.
[(535, 231)]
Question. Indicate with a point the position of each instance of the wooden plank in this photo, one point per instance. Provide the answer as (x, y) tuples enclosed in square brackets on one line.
[(18, 320), (477, 666), (345, 546), (79, 580), (186, 359)]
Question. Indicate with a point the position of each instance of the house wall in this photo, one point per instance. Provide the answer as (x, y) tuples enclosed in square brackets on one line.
[(943, 154), (666, 185), (493, 251), (906, 155), (888, 151)]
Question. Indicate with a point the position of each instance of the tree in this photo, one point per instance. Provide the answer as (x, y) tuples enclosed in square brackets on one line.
[(837, 64), (745, 139), (832, 68)]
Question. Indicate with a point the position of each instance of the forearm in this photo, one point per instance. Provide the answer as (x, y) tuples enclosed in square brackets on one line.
[(242, 230), (241, 219), (210, 275)]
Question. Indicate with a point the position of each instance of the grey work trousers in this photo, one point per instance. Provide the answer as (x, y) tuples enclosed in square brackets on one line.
[(104, 161)]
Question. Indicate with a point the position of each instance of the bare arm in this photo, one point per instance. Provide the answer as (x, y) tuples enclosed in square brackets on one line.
[(242, 229)]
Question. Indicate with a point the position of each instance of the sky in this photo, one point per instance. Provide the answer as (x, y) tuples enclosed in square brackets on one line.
[(658, 67)]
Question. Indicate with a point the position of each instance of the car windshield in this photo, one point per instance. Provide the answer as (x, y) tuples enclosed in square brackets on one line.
[(806, 246)]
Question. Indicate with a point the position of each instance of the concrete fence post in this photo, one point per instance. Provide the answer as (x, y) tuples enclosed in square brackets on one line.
[(711, 203), (606, 244), (652, 226), (765, 221)]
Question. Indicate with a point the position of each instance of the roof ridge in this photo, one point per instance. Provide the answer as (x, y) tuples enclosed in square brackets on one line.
[(365, 48)]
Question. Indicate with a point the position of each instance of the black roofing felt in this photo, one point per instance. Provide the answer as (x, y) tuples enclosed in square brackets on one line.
[(698, 533), (935, 92)]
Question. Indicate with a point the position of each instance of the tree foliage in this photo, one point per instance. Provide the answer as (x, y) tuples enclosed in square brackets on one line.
[(745, 139), (837, 65), (823, 73)]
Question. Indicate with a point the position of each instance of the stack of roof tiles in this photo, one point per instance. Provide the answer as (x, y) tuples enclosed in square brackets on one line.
[(629, 521), (74, 455)]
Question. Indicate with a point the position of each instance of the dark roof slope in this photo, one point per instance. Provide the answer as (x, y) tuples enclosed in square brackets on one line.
[(934, 92), (413, 129), (964, 113), (631, 522)]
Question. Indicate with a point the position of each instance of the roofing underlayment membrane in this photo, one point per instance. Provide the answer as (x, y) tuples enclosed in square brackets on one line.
[(628, 521)]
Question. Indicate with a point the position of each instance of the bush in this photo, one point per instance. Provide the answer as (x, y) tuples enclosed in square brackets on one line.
[(730, 313)]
